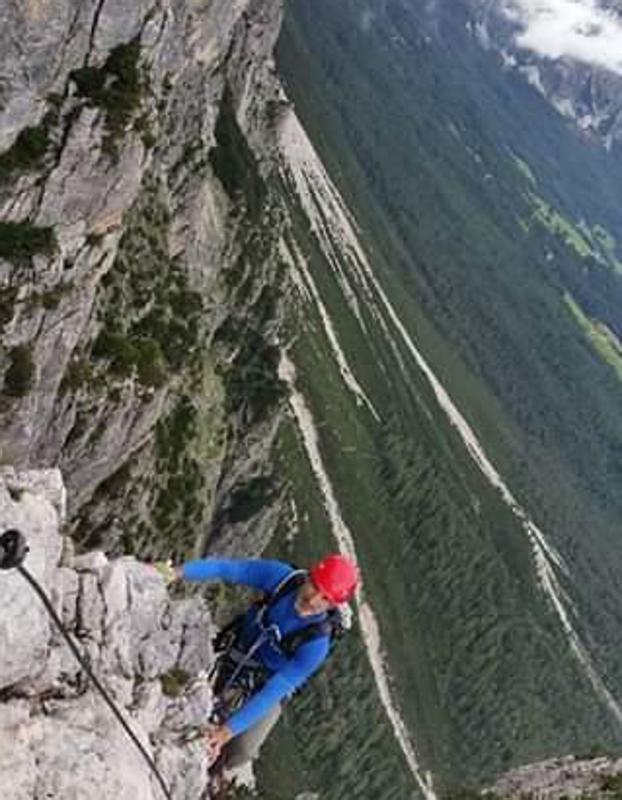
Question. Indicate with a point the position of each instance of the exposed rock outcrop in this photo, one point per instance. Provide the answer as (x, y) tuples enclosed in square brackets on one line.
[(138, 268), (559, 778), (588, 94), (57, 737)]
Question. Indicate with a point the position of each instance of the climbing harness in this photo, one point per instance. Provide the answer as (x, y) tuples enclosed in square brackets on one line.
[(13, 551), (237, 668)]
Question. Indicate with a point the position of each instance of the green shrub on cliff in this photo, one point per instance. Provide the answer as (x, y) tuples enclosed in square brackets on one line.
[(18, 378)]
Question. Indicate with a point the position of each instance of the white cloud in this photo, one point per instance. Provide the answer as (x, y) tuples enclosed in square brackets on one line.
[(578, 29)]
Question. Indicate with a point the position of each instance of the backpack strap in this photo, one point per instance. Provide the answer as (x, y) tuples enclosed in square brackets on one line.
[(290, 583), (293, 580), (333, 626), (228, 635), (338, 620), (292, 641)]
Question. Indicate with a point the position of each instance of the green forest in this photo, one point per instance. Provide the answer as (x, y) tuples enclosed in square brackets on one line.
[(480, 230)]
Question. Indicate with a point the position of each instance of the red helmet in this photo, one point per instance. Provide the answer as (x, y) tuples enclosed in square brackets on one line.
[(336, 576)]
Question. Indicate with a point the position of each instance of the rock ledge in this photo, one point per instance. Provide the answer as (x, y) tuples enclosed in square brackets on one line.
[(58, 739)]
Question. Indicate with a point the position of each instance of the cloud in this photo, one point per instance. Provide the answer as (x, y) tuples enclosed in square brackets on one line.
[(367, 20), (583, 30)]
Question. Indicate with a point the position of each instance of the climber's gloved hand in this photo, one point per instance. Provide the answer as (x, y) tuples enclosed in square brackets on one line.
[(167, 571)]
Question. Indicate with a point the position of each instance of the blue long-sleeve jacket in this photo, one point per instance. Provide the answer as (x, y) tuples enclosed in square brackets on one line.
[(287, 673)]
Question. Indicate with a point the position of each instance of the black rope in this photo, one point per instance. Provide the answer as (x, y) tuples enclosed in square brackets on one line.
[(51, 611)]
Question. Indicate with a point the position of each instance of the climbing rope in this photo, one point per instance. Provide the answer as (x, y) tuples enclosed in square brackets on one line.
[(13, 550)]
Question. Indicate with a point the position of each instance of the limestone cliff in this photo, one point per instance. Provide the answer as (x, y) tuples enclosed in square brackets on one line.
[(558, 778), (57, 737), (139, 285)]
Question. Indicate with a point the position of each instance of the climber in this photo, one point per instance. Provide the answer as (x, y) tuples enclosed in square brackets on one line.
[(275, 646)]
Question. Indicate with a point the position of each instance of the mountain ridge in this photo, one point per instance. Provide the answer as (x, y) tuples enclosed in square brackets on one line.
[(588, 94)]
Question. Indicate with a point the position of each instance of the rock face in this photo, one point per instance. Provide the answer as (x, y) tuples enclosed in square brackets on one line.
[(138, 269), (57, 737), (32, 502), (562, 777)]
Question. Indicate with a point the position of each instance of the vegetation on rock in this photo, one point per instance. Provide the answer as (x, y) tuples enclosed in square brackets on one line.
[(117, 88), (20, 241), (18, 379)]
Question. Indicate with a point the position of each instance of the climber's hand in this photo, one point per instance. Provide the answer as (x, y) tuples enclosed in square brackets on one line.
[(215, 739), (167, 571)]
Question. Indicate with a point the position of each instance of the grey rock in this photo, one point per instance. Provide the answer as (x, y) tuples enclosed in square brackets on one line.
[(117, 629), (90, 608), (18, 769), (24, 627), (556, 778), (86, 190), (83, 746), (187, 712), (150, 705), (192, 618), (38, 44), (94, 561), (132, 633), (14, 714)]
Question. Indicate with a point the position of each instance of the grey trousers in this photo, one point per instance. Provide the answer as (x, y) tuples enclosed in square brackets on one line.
[(246, 746)]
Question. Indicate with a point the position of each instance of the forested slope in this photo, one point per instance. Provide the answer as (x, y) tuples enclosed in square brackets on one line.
[(490, 223)]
